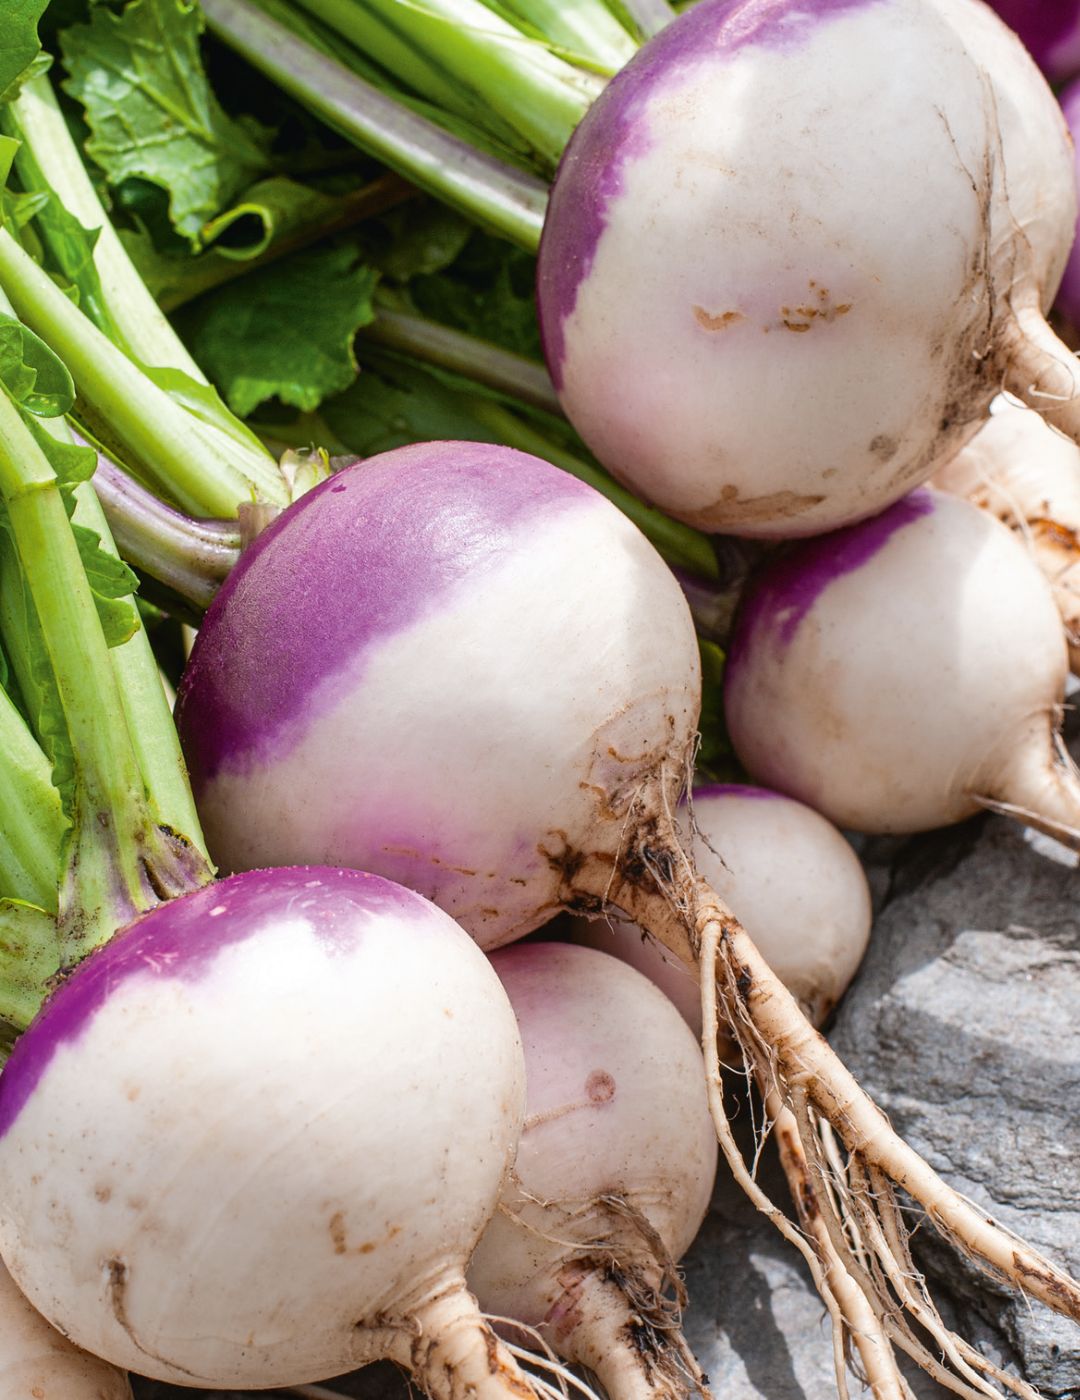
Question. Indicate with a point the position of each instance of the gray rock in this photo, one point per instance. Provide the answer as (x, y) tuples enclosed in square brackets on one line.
[(963, 1025)]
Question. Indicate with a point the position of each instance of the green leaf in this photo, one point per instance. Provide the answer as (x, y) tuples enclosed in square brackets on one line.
[(112, 584), (152, 113), (488, 292), (268, 211), (35, 378), (286, 330), (20, 48), (414, 240), (395, 402)]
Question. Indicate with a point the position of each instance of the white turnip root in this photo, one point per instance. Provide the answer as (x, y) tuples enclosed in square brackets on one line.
[(247, 1143), (790, 877), (613, 1173), (829, 234), (1021, 470), (459, 665), (903, 673), (37, 1363)]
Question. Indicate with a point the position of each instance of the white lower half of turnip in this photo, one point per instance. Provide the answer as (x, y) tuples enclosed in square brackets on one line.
[(613, 1173), (253, 1140)]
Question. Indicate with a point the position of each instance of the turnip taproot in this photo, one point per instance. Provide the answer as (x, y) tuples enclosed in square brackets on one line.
[(37, 1363), (613, 1173), (903, 673), (459, 665), (233, 1147), (791, 879), (1028, 475), (829, 233)]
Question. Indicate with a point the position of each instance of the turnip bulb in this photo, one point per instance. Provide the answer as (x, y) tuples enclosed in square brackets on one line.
[(613, 1173), (793, 250), (791, 878), (903, 673), (232, 1143), (440, 665)]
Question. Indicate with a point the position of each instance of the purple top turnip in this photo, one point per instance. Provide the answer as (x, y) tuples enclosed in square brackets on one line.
[(440, 665), (781, 277), (247, 1143), (902, 673)]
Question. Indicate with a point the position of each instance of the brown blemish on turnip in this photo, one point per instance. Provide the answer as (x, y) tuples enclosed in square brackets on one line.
[(719, 322), (600, 1087)]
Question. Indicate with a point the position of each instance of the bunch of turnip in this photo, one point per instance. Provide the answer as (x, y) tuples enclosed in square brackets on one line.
[(455, 665)]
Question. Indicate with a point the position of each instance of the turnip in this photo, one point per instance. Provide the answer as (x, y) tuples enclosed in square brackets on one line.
[(246, 1143), (613, 1173), (456, 665), (791, 879), (903, 673), (364, 645), (37, 1363), (1028, 475), (805, 220)]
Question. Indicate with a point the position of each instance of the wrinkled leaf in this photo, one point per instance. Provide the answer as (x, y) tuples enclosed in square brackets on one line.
[(152, 113), (285, 330), (20, 48)]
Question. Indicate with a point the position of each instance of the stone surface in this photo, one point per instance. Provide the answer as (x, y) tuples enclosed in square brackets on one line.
[(964, 1024)]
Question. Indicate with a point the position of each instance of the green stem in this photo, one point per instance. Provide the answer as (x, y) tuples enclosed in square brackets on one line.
[(109, 782), (192, 461), (650, 16), (33, 824), (537, 94), (34, 117), (120, 862), (584, 27), (505, 200), (436, 344), (146, 707)]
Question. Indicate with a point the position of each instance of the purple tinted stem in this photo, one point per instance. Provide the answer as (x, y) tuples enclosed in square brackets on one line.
[(192, 557), (504, 199)]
